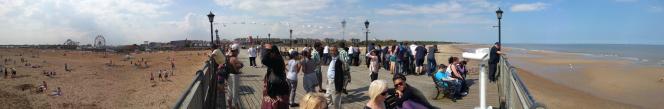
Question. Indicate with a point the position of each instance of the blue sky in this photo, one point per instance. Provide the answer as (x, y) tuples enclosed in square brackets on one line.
[(524, 21)]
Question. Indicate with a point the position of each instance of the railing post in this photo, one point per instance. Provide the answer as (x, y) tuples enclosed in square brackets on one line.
[(483, 86), (234, 84)]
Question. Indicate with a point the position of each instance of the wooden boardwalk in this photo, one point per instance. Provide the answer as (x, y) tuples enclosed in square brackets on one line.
[(252, 86)]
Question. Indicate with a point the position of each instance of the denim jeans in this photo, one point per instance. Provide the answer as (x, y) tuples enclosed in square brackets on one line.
[(293, 84), (432, 66)]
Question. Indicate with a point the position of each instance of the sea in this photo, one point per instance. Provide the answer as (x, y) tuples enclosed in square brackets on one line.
[(639, 54)]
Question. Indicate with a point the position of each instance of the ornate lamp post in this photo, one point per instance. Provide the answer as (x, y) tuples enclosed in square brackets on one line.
[(216, 31), (268, 38), (291, 38), (211, 18), (366, 38), (343, 30), (499, 14)]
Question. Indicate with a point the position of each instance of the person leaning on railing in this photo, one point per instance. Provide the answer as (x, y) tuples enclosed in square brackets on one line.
[(494, 58)]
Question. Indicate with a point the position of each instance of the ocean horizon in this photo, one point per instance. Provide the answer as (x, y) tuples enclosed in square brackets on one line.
[(637, 53)]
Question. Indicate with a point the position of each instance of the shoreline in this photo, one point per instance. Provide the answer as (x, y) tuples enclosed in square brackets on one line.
[(558, 96), (554, 87)]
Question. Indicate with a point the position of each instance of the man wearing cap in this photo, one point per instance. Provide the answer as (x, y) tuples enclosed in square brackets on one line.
[(494, 58)]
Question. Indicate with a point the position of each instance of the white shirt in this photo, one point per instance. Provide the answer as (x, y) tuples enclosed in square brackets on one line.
[(330, 69), (325, 51), (351, 50), (292, 71), (252, 52), (412, 49)]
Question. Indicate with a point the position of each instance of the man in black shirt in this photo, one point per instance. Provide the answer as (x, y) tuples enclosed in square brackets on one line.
[(494, 58), (420, 52)]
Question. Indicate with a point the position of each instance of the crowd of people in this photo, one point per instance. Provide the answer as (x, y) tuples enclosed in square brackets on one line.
[(281, 78)]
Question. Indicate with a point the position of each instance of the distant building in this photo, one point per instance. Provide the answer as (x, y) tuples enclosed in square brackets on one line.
[(190, 44)]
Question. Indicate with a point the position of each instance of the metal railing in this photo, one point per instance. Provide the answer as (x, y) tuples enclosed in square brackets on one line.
[(201, 93), (512, 91)]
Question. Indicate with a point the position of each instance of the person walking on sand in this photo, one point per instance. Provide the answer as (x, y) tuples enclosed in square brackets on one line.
[(159, 73), (151, 76), (172, 68), (13, 72), (6, 72), (494, 58), (165, 75)]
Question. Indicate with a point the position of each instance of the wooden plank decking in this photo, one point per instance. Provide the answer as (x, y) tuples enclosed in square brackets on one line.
[(251, 88)]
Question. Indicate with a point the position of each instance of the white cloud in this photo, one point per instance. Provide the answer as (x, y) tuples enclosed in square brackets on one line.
[(121, 21), (626, 0), (527, 7), (452, 7), (442, 13), (276, 7), (656, 9)]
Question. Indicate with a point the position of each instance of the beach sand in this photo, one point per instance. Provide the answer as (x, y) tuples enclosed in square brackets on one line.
[(93, 84), (591, 83), (613, 80)]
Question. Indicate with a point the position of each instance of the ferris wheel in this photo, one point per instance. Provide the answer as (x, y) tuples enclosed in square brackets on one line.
[(100, 41)]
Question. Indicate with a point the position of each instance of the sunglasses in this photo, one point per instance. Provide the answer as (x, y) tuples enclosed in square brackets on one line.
[(398, 84)]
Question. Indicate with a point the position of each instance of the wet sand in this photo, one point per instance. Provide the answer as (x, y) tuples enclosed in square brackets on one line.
[(591, 83), (94, 84), (615, 81)]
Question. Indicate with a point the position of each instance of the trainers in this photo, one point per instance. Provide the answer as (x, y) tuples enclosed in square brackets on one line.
[(464, 93)]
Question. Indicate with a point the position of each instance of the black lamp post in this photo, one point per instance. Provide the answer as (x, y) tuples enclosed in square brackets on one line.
[(268, 38), (499, 14), (211, 18), (366, 38), (210, 103), (216, 31), (291, 38)]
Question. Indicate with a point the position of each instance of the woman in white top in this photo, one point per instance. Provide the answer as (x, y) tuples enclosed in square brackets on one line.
[(293, 69), (373, 64)]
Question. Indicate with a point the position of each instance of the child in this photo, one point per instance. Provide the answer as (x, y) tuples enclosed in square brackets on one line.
[(442, 74)]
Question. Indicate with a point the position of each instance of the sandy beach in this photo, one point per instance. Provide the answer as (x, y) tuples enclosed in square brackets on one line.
[(565, 80), (93, 83)]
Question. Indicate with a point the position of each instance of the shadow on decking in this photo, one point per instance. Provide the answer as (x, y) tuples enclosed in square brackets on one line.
[(357, 95), (244, 90)]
